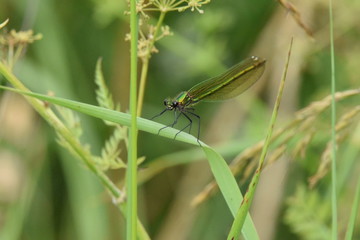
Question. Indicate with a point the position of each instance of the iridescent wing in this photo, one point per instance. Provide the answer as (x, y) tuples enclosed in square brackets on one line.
[(230, 83)]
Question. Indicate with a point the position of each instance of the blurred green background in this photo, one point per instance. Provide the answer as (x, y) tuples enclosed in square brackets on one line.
[(45, 193)]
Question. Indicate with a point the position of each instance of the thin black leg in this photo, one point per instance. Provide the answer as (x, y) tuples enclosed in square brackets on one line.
[(198, 117), (158, 115), (190, 123), (176, 117)]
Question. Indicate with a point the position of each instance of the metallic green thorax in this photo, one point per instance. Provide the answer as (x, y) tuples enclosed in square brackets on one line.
[(180, 102), (225, 86), (182, 98), (185, 99)]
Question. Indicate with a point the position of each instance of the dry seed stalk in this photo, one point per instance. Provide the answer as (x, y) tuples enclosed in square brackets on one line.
[(303, 121), (342, 129)]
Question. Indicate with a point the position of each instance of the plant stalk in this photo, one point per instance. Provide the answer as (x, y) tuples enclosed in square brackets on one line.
[(131, 173), (145, 64), (333, 133)]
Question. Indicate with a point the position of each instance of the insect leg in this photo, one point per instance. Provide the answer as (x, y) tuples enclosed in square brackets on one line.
[(158, 115), (176, 117), (198, 117), (190, 123)]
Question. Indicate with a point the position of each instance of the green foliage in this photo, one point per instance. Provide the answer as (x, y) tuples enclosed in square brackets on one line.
[(103, 96), (308, 214), (72, 122), (110, 153)]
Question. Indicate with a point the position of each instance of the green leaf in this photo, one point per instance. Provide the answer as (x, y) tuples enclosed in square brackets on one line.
[(110, 158), (219, 167), (354, 212), (307, 214)]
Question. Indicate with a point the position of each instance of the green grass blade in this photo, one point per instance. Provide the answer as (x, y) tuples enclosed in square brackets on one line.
[(333, 134), (186, 156), (228, 185), (220, 169), (245, 205), (354, 212)]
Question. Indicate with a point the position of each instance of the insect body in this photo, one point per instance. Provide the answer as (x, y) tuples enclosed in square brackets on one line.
[(225, 86)]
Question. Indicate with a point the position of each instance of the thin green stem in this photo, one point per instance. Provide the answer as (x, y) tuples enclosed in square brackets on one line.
[(246, 203), (143, 77), (177, 4), (18, 53), (333, 133), (11, 56), (145, 64), (152, 10), (354, 212), (131, 181), (142, 234)]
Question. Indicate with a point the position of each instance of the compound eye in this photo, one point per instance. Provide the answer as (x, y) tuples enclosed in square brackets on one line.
[(175, 103), (168, 103)]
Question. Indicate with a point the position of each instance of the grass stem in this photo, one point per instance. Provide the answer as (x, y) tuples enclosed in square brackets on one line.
[(333, 133), (131, 181)]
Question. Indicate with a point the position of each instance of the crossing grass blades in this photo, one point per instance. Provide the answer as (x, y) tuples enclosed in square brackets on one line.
[(227, 85)]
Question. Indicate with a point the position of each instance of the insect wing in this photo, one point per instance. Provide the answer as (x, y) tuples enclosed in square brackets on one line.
[(231, 83)]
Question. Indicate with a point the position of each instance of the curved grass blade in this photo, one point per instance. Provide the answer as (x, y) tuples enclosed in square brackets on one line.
[(245, 205), (219, 167), (354, 212)]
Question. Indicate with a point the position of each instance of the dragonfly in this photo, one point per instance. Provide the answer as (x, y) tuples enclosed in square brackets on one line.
[(227, 85)]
